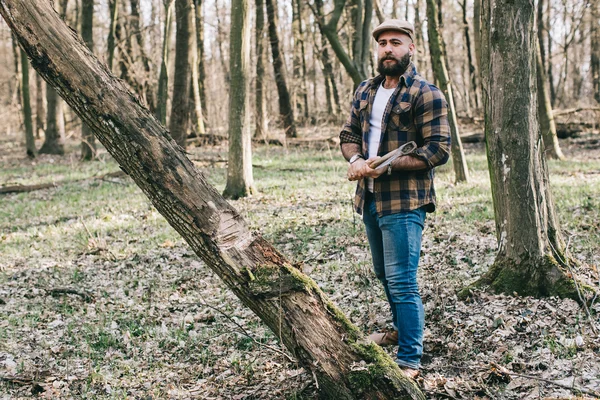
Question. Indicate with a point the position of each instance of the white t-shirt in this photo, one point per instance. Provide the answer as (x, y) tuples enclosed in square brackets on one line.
[(382, 97)]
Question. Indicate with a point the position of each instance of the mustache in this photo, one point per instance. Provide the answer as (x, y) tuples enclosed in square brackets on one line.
[(389, 57)]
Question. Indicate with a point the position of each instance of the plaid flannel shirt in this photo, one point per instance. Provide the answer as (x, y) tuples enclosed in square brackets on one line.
[(417, 111)]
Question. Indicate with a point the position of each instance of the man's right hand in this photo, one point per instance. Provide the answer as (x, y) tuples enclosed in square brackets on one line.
[(355, 170)]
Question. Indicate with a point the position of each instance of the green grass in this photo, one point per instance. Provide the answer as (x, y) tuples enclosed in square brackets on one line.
[(105, 237)]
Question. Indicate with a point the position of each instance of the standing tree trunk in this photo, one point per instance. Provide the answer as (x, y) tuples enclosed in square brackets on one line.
[(285, 106), (550, 65), (595, 53), (300, 95), (260, 104), (291, 304), (546, 118), (201, 57), (110, 42), (184, 57), (148, 92), (54, 142), (472, 69), (88, 141), (530, 258), (163, 79), (40, 112), (198, 120), (26, 103), (437, 51), (239, 169)]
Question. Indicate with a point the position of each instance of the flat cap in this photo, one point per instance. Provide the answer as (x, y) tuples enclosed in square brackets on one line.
[(395, 25)]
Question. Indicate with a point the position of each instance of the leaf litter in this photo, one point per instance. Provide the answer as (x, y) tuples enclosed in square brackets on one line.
[(163, 325)]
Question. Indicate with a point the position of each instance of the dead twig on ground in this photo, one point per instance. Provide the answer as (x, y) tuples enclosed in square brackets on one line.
[(41, 186)]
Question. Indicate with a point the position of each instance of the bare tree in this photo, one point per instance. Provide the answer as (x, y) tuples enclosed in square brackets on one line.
[(147, 89), (26, 106), (88, 141), (317, 334), (239, 169), (531, 257), (40, 110), (286, 110), (163, 79), (595, 54), (184, 57), (114, 14), (440, 71), (260, 104)]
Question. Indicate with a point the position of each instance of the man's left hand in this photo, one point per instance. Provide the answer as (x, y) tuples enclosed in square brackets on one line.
[(369, 172)]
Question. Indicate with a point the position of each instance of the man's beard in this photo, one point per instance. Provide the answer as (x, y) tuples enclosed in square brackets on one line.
[(396, 69)]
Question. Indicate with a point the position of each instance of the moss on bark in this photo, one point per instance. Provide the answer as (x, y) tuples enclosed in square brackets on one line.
[(537, 277)]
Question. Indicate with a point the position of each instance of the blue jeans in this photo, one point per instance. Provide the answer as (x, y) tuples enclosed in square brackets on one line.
[(395, 242)]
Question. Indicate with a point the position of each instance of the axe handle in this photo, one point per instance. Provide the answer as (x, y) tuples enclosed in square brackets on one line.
[(403, 150)]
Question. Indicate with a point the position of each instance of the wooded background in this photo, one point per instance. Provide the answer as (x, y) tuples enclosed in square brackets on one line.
[(319, 85)]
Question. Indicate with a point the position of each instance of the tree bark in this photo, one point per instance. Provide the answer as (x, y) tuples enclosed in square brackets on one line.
[(196, 102), (550, 65), (114, 14), (180, 106), (477, 35), (54, 141), (530, 258), (163, 79), (437, 51), (546, 118), (239, 169), (472, 69), (300, 94), (290, 303), (286, 110), (259, 100), (201, 57), (88, 141), (40, 111), (595, 53), (26, 103), (148, 92)]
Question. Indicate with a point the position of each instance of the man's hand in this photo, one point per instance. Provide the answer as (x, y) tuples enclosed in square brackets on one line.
[(368, 172), (354, 170)]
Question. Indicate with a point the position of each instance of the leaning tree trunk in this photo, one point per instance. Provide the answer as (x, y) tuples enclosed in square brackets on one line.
[(437, 51), (184, 41), (239, 168), (547, 125), (531, 258), (26, 103), (285, 106), (88, 141), (290, 303)]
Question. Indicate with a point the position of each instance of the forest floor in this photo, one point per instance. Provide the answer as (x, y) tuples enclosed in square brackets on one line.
[(101, 299)]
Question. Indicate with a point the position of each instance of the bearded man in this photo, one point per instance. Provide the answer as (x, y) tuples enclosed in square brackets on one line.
[(396, 107)]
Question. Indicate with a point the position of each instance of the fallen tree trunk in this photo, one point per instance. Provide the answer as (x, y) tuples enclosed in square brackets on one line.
[(290, 303), (42, 186)]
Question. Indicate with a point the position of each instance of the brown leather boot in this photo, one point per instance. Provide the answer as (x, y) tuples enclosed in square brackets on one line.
[(389, 338)]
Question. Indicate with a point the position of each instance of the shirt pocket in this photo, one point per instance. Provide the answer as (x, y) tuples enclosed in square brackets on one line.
[(401, 117)]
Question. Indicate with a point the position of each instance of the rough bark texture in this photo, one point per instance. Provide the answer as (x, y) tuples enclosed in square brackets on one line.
[(163, 79), (290, 303), (285, 105), (438, 61), (88, 141), (239, 168), (184, 41), (472, 68), (531, 255), (26, 104), (547, 125)]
